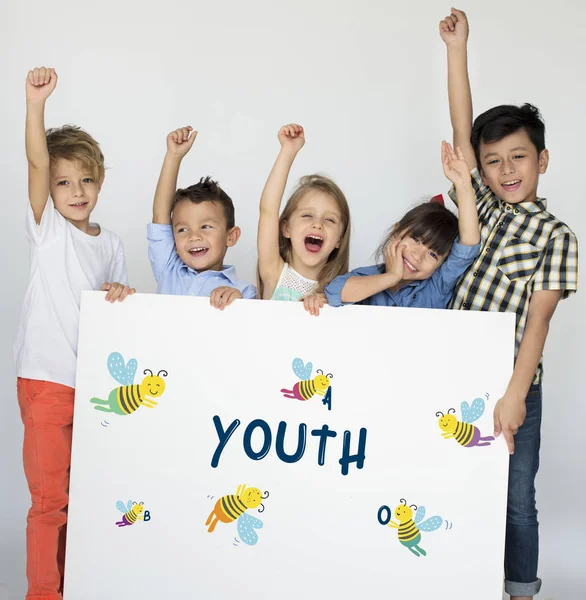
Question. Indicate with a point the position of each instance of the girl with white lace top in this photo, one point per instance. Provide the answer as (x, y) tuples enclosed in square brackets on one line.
[(301, 250)]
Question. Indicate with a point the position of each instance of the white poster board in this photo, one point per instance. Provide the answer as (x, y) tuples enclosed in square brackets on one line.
[(324, 529)]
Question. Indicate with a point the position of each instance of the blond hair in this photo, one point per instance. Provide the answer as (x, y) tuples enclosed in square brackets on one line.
[(73, 143), (339, 258)]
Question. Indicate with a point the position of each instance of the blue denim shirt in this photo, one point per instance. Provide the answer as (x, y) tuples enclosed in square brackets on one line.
[(434, 292), (173, 276)]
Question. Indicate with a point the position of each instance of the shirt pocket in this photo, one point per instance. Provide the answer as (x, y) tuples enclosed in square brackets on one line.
[(519, 260)]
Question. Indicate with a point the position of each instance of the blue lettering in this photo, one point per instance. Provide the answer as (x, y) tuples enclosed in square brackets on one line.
[(324, 433), (358, 458), (224, 436), (280, 443), (267, 441)]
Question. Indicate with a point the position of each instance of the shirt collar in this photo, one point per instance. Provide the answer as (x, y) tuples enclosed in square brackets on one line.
[(520, 208), (228, 271)]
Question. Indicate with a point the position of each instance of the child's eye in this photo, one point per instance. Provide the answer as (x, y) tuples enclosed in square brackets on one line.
[(182, 230), (492, 162), (416, 240), (331, 220), (88, 180), (63, 182), (306, 215), (519, 156), (206, 226), (433, 255)]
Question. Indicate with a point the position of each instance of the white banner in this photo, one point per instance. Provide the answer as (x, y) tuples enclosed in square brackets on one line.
[(259, 452)]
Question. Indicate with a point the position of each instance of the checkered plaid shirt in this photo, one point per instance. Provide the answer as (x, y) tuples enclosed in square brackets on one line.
[(524, 249)]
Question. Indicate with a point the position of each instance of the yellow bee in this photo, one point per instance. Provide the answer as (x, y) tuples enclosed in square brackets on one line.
[(409, 528), (307, 388), (132, 512), (233, 507), (127, 398), (463, 431)]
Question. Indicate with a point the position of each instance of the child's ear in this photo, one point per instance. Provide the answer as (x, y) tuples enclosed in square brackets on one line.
[(101, 183), (543, 161), (233, 236), (285, 229)]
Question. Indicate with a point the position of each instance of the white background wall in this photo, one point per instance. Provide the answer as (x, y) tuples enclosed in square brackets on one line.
[(367, 80)]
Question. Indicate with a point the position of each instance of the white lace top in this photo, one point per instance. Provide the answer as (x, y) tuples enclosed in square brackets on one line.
[(292, 286)]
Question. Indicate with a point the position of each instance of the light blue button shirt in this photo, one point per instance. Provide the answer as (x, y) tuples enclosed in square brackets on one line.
[(434, 292), (173, 276)]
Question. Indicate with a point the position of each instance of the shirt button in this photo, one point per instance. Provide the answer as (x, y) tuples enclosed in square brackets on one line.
[(414, 296), (475, 273), (487, 249), (516, 211), (508, 208), (465, 305)]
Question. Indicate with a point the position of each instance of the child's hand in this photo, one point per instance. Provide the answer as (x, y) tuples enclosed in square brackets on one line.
[(40, 83), (454, 28), (180, 141), (117, 291), (313, 303), (456, 168), (509, 415), (291, 137), (394, 258), (224, 296)]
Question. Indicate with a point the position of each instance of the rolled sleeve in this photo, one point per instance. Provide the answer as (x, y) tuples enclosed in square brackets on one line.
[(334, 288), (249, 292), (559, 267), (162, 252), (458, 261)]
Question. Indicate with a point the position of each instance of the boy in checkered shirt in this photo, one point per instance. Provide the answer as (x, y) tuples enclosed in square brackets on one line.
[(527, 264)]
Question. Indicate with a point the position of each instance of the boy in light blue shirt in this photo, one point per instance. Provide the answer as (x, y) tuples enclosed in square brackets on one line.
[(191, 231)]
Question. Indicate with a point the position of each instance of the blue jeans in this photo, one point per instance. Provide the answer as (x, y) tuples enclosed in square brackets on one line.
[(522, 541)]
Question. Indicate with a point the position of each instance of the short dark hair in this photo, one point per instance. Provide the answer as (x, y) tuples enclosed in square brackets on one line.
[(207, 190), (432, 223), (501, 121)]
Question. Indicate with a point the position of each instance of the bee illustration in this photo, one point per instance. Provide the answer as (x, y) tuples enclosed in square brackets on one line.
[(132, 512), (463, 432), (409, 528), (233, 507), (127, 398), (307, 388)]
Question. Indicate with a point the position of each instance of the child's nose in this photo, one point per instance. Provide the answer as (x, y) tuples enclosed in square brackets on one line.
[(77, 189), (508, 167)]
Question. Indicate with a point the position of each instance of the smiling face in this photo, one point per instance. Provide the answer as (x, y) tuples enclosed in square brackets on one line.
[(201, 235), (448, 423), (419, 261), (74, 190), (315, 229), (511, 167), (153, 386), (403, 513)]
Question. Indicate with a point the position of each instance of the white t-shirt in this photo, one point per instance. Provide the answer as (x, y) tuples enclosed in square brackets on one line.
[(64, 261)]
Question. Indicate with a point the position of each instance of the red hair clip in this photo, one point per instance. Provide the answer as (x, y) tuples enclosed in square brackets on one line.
[(439, 199)]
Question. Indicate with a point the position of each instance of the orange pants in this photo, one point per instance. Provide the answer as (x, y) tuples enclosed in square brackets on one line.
[(47, 414)]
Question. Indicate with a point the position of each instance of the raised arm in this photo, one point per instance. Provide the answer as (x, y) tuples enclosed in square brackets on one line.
[(292, 138), (40, 83), (457, 171), (454, 32), (179, 143)]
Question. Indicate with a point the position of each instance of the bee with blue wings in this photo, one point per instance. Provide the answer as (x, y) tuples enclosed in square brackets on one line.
[(132, 513), (233, 507), (127, 398), (463, 431), (307, 388), (409, 529)]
